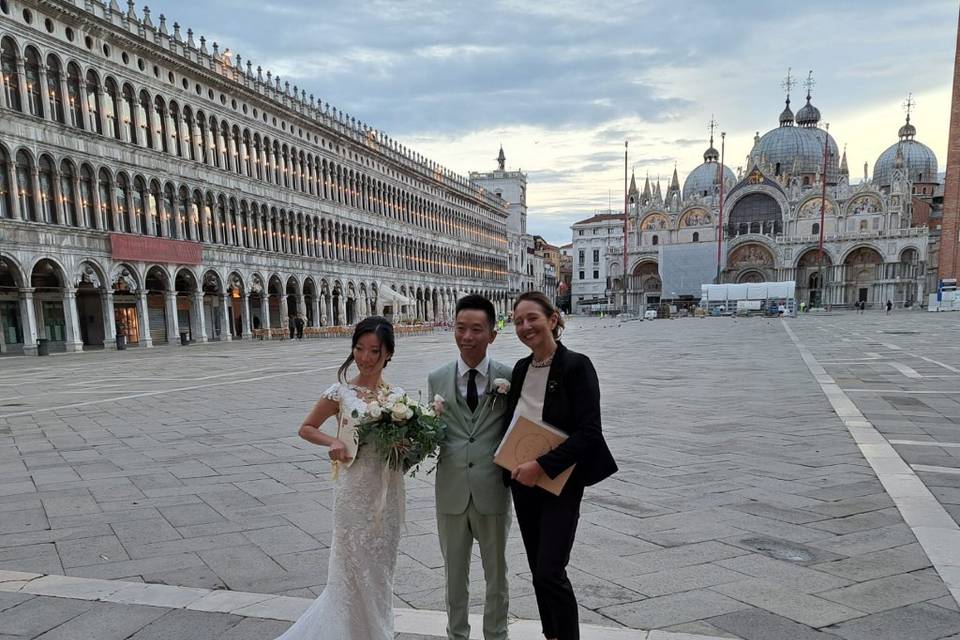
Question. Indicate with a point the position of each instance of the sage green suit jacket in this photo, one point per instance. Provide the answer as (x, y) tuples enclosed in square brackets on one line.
[(466, 469)]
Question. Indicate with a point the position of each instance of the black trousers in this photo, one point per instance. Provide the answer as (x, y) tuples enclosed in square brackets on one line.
[(548, 526)]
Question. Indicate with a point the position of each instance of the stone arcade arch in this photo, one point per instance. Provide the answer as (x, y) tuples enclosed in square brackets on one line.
[(14, 309), (276, 312), (215, 302), (161, 306), (130, 306), (238, 306), (55, 306), (188, 309), (97, 325)]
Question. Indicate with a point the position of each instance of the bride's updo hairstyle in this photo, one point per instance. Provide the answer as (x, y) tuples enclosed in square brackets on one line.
[(377, 325)]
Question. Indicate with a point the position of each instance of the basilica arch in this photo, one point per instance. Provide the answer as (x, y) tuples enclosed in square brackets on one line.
[(755, 213), (862, 271), (749, 261)]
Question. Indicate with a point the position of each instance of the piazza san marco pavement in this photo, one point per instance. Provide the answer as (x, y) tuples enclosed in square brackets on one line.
[(785, 479)]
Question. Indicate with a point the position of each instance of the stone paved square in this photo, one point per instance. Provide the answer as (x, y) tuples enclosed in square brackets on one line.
[(743, 503)]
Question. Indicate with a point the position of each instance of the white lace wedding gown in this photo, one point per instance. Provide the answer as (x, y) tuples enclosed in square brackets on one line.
[(357, 602)]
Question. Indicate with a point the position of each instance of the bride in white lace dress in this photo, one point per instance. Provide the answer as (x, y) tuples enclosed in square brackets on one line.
[(357, 602)]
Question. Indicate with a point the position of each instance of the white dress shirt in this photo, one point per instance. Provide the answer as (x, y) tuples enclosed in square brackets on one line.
[(463, 376)]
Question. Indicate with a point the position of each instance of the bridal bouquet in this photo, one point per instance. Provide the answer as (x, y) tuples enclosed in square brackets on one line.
[(402, 431)]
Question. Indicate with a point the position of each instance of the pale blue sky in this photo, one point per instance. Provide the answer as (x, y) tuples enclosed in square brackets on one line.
[(561, 84)]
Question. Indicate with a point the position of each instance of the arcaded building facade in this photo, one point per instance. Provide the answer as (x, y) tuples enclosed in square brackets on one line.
[(152, 185)]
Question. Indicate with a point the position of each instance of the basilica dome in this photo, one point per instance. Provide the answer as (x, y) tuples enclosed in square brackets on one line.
[(918, 159), (793, 150), (701, 181)]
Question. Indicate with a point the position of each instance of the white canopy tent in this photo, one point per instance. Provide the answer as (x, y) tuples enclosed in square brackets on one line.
[(748, 296)]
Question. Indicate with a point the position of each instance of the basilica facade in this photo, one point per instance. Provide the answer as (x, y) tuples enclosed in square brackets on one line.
[(879, 238), (152, 185)]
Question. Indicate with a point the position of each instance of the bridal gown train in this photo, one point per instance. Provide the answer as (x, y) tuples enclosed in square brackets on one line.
[(357, 602)]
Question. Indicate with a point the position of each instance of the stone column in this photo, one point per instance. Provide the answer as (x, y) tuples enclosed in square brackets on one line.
[(245, 316), (22, 80), (284, 313), (226, 311), (29, 313), (173, 322), (98, 205), (45, 94), (265, 312), (14, 189), (342, 310), (73, 342), (198, 321), (146, 340), (109, 323), (316, 311), (102, 112), (37, 196)]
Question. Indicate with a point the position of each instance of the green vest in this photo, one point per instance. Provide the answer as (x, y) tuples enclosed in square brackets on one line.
[(466, 469)]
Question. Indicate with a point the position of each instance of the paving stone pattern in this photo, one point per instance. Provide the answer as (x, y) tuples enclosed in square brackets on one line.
[(742, 509)]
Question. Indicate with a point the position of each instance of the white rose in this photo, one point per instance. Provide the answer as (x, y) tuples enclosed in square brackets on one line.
[(374, 410), (399, 412), (502, 385), (438, 404)]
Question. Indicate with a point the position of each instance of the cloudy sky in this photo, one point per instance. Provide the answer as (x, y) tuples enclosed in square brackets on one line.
[(562, 84)]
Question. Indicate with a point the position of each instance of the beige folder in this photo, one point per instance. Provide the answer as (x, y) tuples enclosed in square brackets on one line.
[(527, 440)]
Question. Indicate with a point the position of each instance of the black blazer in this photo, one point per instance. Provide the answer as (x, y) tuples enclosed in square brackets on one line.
[(571, 404)]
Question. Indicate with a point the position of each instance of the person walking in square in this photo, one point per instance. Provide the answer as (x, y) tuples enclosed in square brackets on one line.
[(559, 387), (472, 499)]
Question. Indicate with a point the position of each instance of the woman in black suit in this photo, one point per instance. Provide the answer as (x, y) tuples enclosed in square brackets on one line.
[(558, 387)]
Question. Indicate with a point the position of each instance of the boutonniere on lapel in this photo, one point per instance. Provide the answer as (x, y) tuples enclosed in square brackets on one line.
[(499, 389), (552, 386)]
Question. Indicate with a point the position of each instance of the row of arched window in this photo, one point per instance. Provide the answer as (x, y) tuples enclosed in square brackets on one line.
[(79, 195), (118, 110)]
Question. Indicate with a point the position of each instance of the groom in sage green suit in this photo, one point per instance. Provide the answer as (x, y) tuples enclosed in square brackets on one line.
[(473, 502)]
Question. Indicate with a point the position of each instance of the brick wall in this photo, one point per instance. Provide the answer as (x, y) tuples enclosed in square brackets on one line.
[(949, 259)]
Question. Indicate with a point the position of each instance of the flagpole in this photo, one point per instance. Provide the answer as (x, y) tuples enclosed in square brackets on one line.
[(823, 205), (626, 218), (723, 140)]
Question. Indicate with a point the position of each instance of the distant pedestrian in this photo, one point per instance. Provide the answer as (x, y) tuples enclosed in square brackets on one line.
[(889, 306), (299, 323)]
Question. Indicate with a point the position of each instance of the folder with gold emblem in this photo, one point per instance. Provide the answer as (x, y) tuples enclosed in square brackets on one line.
[(527, 440)]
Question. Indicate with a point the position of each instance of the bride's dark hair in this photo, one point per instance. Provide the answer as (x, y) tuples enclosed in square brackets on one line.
[(380, 327)]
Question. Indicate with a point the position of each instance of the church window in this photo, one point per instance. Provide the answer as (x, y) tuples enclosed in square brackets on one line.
[(120, 193), (6, 211), (54, 95), (806, 181), (816, 228), (655, 240), (25, 185), (776, 170), (67, 200), (11, 77), (106, 200), (696, 236), (75, 96), (45, 174), (34, 88)]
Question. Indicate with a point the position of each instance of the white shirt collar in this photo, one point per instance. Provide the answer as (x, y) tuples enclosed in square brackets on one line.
[(482, 369)]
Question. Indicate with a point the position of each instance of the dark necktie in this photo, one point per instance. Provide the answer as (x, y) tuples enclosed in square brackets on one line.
[(472, 400)]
